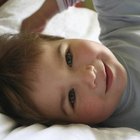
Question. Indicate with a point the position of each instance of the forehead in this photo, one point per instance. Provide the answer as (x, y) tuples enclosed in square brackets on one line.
[(47, 87), (47, 93)]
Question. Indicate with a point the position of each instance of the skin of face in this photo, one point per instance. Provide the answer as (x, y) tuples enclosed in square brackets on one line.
[(78, 81)]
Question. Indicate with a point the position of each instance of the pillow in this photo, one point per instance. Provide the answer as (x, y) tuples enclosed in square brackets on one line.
[(75, 23), (63, 132)]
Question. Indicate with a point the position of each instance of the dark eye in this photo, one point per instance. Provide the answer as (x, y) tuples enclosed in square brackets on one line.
[(72, 97), (69, 58)]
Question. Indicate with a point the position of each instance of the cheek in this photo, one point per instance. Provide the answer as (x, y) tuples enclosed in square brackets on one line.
[(91, 110), (107, 55), (85, 55)]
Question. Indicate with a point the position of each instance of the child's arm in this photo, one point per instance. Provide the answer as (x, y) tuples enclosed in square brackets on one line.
[(2, 2), (37, 21)]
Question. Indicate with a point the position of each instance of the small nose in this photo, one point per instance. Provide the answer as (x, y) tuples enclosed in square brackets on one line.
[(88, 76)]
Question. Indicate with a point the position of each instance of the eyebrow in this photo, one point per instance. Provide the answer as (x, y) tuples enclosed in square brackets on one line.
[(58, 54), (62, 101), (61, 54), (58, 50)]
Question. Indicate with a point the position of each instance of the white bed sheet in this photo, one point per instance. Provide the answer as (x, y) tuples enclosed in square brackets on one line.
[(73, 23)]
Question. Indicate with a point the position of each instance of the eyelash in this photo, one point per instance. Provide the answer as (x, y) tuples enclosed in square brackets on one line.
[(69, 58), (71, 95)]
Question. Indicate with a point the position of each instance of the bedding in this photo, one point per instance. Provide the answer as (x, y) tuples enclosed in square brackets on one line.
[(73, 23)]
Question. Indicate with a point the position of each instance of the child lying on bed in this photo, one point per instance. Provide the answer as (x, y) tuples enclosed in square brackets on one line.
[(51, 80)]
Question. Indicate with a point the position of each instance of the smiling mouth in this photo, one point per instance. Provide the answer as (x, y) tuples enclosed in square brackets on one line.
[(109, 77)]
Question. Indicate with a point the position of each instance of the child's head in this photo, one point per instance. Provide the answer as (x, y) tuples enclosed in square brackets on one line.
[(60, 80)]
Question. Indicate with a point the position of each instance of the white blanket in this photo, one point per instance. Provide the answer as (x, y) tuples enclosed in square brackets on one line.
[(73, 23)]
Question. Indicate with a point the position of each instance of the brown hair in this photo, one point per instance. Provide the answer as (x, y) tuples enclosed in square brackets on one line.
[(19, 56)]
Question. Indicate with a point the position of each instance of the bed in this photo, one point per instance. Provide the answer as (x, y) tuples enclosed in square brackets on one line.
[(72, 23)]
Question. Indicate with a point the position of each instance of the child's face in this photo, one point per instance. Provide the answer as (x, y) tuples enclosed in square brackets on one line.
[(78, 81)]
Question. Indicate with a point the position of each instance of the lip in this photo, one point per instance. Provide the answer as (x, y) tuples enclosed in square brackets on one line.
[(109, 78)]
